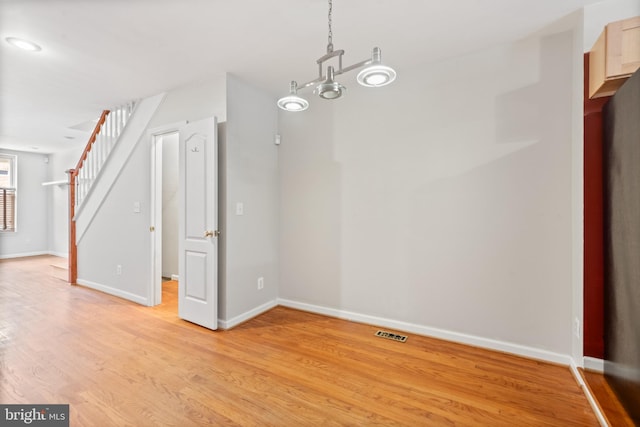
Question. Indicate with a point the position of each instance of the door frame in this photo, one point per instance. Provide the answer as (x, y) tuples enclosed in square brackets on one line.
[(155, 135)]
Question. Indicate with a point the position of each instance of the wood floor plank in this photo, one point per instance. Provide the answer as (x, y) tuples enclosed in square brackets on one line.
[(118, 363), (607, 399)]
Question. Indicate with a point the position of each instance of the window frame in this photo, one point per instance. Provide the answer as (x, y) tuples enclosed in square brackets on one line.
[(13, 186)]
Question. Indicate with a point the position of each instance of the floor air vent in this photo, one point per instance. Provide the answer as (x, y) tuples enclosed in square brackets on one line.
[(391, 336)]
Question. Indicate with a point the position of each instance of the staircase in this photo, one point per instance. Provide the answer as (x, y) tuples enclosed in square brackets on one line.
[(101, 143), (103, 140)]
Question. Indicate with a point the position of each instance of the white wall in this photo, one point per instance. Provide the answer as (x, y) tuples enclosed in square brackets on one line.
[(577, 185), (117, 235), (443, 201), (249, 170), (31, 236), (170, 184), (192, 102)]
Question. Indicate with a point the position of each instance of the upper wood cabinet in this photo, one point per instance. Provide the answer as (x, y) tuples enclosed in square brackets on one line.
[(614, 57)]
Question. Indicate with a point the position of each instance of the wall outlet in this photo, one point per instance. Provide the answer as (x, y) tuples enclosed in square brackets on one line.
[(118, 269), (260, 283), (576, 327)]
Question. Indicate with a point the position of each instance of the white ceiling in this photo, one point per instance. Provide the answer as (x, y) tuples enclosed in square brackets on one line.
[(98, 54)]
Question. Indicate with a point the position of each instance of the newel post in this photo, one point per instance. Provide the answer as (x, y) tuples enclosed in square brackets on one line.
[(73, 250)]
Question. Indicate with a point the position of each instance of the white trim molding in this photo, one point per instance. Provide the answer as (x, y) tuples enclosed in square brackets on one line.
[(113, 291), (24, 255), (64, 255), (228, 324), (517, 349), (593, 364), (592, 401), (154, 136)]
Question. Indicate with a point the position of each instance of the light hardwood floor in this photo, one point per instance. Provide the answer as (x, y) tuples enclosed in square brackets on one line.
[(120, 364), (607, 400)]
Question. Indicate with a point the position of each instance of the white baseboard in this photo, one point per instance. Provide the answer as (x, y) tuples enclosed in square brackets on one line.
[(64, 255), (517, 349), (113, 291), (593, 364), (520, 350), (592, 401), (175, 277), (24, 255), (228, 324)]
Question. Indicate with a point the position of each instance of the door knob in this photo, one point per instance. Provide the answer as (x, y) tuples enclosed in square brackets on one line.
[(210, 233)]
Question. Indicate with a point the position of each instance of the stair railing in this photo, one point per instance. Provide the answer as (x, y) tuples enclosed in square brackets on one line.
[(101, 142)]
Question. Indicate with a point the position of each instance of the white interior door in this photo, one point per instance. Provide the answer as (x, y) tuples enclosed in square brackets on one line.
[(198, 217)]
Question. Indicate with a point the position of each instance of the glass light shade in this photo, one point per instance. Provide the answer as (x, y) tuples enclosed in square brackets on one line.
[(376, 75), (293, 103)]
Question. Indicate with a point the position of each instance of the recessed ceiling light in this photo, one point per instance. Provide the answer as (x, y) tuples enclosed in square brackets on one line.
[(35, 148), (23, 44)]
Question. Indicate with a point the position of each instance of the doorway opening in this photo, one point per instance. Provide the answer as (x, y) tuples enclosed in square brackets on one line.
[(197, 217), (165, 214)]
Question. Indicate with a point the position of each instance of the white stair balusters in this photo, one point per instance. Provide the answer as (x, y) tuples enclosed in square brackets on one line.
[(99, 148)]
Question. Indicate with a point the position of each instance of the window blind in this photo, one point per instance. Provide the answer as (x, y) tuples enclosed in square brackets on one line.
[(7, 209)]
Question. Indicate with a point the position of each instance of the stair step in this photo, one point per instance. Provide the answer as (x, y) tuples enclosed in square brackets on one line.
[(60, 271)]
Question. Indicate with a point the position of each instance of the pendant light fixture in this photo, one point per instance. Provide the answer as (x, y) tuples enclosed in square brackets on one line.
[(374, 74), (293, 102)]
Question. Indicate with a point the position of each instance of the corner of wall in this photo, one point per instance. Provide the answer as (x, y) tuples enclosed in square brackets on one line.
[(249, 164)]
